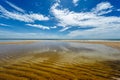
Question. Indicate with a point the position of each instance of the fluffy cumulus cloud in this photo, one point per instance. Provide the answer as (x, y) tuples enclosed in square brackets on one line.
[(20, 16), (94, 18)]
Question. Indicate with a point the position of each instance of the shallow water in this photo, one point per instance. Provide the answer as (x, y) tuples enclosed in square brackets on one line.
[(59, 60), (61, 47)]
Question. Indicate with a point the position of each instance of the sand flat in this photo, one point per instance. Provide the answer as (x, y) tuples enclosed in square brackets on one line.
[(59, 60), (114, 44), (19, 42)]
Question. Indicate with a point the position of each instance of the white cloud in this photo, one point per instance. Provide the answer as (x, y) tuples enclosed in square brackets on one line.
[(38, 17), (64, 29), (1, 24), (71, 18), (118, 9), (97, 33), (94, 18), (38, 26), (14, 6), (53, 27), (75, 2), (82, 19), (22, 16), (103, 8), (42, 27)]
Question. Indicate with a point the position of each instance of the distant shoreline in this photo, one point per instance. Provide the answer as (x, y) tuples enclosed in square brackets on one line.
[(103, 40), (57, 39), (17, 42)]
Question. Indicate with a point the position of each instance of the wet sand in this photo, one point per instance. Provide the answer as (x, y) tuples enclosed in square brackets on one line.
[(60, 60), (19, 42), (114, 44)]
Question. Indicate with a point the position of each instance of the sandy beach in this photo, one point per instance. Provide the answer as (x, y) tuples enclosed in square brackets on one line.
[(60, 60), (18, 42)]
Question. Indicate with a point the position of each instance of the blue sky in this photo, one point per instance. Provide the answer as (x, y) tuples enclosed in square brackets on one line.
[(60, 19)]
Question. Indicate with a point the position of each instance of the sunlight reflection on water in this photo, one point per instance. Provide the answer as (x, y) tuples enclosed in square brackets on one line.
[(85, 49)]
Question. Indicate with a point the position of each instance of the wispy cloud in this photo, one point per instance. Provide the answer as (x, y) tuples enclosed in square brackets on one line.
[(1, 24), (95, 18), (118, 9), (64, 29), (39, 26), (103, 8), (54, 27), (82, 19), (15, 7), (22, 16), (75, 2), (38, 17), (97, 33)]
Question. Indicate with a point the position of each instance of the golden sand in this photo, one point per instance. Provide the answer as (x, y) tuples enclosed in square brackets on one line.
[(52, 65), (19, 42)]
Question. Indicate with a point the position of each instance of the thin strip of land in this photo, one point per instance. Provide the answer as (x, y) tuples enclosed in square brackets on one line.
[(19, 42)]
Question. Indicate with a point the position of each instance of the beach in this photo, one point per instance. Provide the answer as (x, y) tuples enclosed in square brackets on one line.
[(60, 60)]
